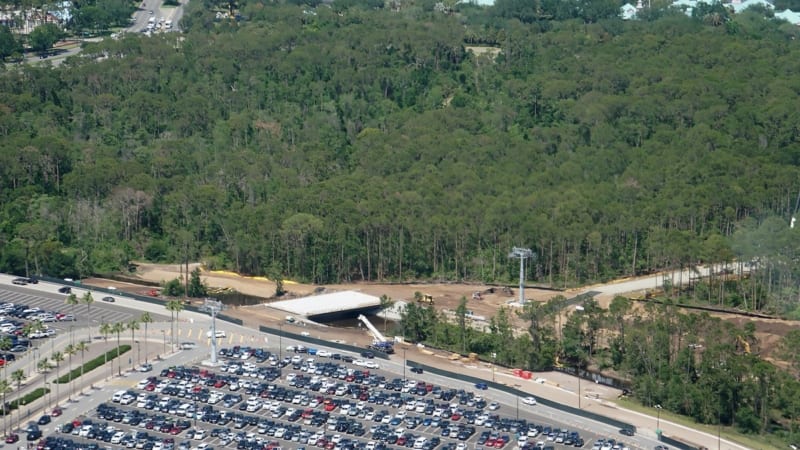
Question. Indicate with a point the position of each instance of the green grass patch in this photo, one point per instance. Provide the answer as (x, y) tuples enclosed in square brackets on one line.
[(749, 441), (93, 364)]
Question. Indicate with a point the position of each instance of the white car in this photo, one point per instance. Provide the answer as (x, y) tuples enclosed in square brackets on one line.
[(529, 400), (324, 353), (494, 406), (359, 362), (219, 333), (199, 434), (371, 365)]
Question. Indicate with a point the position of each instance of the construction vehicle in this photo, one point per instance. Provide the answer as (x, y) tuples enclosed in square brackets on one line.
[(743, 344), (425, 298)]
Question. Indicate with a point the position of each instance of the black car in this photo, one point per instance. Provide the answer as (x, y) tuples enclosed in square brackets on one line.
[(20, 281), (368, 355), (627, 431), (65, 290), (44, 420), (34, 435), (416, 369), (109, 299)]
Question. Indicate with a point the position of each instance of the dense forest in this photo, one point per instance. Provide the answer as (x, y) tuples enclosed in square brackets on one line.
[(363, 141), (371, 140)]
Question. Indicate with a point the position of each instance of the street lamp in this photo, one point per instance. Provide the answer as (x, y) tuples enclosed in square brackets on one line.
[(138, 353), (280, 341), (494, 361), (578, 374), (658, 420), (404, 364), (164, 336)]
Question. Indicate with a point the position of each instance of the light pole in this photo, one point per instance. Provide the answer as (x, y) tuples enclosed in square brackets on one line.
[(280, 341), (658, 421), (578, 374), (164, 336), (404, 364), (138, 353), (517, 397), (494, 362)]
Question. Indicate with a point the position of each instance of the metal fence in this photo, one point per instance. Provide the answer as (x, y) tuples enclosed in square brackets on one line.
[(513, 391), (322, 342)]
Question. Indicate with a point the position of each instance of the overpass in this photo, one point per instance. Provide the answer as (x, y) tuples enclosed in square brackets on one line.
[(329, 306)]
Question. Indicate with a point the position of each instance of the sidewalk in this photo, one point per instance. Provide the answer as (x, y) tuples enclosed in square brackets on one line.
[(59, 392)]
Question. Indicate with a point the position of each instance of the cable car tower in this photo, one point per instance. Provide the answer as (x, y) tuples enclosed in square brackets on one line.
[(522, 254)]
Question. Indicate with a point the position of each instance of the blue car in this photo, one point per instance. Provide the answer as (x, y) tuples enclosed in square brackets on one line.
[(481, 386)]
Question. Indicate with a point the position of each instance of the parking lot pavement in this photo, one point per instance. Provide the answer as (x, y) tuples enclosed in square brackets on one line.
[(258, 402), (100, 311)]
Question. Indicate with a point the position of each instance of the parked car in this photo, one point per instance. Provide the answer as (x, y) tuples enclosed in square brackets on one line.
[(482, 386), (12, 438), (44, 420), (108, 299), (65, 290), (627, 431)]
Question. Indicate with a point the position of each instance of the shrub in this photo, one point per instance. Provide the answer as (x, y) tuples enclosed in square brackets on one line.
[(93, 364)]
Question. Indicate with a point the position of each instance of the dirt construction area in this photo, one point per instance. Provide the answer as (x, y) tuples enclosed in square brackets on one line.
[(446, 296)]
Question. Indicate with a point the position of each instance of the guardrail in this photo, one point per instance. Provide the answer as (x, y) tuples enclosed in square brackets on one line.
[(308, 339), (513, 391)]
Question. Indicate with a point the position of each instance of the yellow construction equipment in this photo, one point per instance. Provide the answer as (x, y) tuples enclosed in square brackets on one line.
[(744, 344), (425, 298)]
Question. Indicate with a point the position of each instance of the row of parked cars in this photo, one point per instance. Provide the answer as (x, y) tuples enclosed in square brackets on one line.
[(366, 395)]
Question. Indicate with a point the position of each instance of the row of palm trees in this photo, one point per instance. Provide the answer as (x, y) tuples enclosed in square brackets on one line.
[(57, 357)]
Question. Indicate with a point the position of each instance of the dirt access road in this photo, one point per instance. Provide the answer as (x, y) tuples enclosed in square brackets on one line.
[(445, 295)]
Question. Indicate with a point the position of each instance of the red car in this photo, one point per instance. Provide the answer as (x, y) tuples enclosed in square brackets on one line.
[(56, 412), (12, 438), (500, 443)]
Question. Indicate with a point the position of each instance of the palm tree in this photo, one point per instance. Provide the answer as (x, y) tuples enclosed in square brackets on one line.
[(82, 347), (174, 307), (145, 319), (18, 376), (88, 300), (105, 330), (73, 301), (5, 388), (133, 325), (70, 350), (43, 366), (118, 328), (57, 358)]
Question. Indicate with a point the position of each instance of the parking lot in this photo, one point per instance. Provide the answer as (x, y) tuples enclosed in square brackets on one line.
[(256, 400)]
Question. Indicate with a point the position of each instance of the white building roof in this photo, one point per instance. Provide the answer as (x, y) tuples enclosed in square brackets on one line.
[(327, 303), (789, 16)]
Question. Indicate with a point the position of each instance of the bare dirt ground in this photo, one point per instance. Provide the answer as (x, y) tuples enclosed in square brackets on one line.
[(446, 297)]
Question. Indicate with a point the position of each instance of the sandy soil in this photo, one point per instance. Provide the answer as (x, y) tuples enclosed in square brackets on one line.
[(445, 295)]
